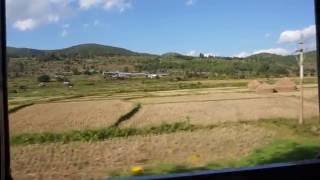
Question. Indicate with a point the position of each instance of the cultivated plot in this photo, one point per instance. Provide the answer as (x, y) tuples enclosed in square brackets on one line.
[(98, 159), (217, 107), (65, 116)]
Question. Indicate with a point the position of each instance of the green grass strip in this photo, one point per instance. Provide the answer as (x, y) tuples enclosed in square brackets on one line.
[(15, 109), (165, 128), (99, 134)]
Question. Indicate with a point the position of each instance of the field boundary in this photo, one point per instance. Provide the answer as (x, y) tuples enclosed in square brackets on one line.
[(165, 128), (17, 108), (217, 100), (42, 101), (127, 115), (99, 134)]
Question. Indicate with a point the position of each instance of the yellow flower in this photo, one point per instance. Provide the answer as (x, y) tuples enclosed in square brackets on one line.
[(194, 159), (136, 169)]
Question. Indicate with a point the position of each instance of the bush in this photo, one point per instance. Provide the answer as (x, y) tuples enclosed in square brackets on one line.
[(62, 79), (23, 87), (87, 72), (12, 91), (75, 71), (44, 78)]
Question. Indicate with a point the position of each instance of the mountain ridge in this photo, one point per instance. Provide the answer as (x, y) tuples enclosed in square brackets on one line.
[(93, 49), (87, 49)]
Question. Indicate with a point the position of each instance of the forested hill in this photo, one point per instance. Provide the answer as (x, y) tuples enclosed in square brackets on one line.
[(82, 50), (97, 58), (256, 65)]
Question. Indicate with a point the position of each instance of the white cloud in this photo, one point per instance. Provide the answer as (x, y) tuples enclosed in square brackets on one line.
[(40, 11), (120, 5), (64, 33), (196, 53), (24, 25), (190, 2), (86, 4), (44, 12), (242, 54), (192, 53), (209, 54), (289, 36), (53, 18), (278, 51), (293, 36)]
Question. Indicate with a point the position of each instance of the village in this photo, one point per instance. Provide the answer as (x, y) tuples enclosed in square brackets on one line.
[(126, 75), (64, 77)]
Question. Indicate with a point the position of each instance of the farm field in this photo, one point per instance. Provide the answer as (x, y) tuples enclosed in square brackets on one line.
[(25, 90), (97, 159), (217, 107), (206, 107), (66, 116), (111, 89), (228, 145), (221, 127)]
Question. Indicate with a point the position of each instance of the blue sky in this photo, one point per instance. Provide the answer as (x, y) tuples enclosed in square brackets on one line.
[(219, 27)]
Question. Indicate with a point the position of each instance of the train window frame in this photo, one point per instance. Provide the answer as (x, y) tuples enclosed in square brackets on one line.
[(308, 169)]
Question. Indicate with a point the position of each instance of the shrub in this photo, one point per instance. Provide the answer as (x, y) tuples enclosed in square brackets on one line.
[(75, 71), (62, 79), (87, 72), (23, 87), (12, 91), (44, 78)]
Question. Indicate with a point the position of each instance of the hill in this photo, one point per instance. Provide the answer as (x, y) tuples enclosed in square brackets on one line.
[(82, 50), (94, 50), (95, 57), (264, 55), (23, 52)]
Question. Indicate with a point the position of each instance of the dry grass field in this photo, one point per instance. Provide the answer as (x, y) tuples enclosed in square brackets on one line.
[(224, 142), (86, 160), (215, 107), (65, 116)]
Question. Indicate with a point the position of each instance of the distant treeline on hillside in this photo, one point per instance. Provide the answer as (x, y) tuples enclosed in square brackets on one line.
[(97, 58)]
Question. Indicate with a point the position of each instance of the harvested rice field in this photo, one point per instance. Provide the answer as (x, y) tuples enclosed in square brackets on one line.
[(97, 159), (66, 116), (228, 120), (213, 108)]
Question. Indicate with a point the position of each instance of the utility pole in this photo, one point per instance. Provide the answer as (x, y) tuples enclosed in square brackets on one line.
[(301, 120)]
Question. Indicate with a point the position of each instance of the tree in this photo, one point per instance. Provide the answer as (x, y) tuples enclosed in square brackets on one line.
[(75, 71), (21, 67), (87, 72), (44, 78), (126, 69), (201, 55)]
